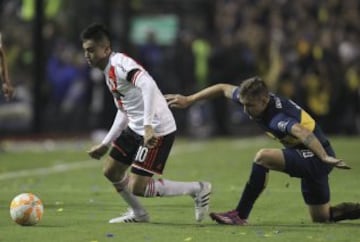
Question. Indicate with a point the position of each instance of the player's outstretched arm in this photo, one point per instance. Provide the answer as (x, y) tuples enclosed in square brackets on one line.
[(181, 101), (178, 100)]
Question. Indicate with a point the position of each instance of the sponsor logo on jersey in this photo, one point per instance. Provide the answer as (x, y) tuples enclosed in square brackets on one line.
[(282, 125)]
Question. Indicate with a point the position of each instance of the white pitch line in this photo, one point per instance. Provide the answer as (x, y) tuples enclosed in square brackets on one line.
[(50, 170), (63, 167)]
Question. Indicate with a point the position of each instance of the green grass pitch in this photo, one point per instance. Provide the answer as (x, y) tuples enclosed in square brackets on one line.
[(78, 201)]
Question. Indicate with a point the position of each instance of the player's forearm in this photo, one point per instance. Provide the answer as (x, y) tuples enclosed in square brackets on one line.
[(207, 93), (119, 124), (309, 140), (315, 146)]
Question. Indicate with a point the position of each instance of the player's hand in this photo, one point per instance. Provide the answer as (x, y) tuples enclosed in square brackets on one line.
[(177, 100), (150, 140), (8, 91), (336, 162), (98, 151)]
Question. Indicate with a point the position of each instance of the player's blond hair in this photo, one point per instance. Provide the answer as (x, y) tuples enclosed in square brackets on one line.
[(253, 87)]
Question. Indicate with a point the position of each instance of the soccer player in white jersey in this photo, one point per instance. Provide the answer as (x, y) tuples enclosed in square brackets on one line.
[(142, 133), (6, 87)]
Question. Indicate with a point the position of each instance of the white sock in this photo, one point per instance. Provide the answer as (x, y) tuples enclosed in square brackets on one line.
[(129, 198), (167, 188)]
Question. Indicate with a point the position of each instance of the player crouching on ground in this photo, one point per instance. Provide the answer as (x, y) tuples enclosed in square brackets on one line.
[(307, 153)]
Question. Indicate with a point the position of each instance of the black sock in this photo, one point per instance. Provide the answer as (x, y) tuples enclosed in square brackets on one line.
[(253, 188), (345, 211)]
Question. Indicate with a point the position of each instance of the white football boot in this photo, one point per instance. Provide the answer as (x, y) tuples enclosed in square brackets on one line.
[(202, 200), (131, 217)]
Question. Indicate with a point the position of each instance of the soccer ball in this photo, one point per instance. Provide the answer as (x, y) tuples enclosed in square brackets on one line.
[(26, 209)]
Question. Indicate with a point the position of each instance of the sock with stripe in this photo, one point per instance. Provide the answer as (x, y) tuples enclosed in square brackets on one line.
[(129, 198), (167, 188), (344, 211)]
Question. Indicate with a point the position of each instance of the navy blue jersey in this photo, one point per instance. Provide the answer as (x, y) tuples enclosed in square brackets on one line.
[(278, 118)]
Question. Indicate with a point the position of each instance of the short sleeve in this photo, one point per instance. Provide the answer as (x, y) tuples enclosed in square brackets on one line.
[(125, 65), (282, 123), (236, 95)]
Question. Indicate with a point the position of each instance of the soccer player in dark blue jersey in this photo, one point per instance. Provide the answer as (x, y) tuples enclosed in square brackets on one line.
[(307, 153)]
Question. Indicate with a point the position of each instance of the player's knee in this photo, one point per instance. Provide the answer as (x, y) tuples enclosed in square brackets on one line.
[(137, 187), (108, 172), (262, 156), (320, 213), (270, 158), (112, 171)]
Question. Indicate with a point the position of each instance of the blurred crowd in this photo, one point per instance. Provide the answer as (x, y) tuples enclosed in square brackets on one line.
[(306, 50)]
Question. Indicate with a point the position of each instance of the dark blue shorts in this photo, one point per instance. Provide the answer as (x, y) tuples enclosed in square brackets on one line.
[(313, 173)]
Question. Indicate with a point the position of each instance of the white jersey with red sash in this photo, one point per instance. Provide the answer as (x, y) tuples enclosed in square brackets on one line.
[(137, 97)]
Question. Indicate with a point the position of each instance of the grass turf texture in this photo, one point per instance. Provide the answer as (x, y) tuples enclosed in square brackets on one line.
[(78, 201)]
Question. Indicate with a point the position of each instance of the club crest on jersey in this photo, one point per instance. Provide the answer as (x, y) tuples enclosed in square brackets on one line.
[(282, 125), (278, 103)]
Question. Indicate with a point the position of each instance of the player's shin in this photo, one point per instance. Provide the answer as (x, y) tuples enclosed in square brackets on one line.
[(162, 188), (253, 188), (122, 188), (344, 211)]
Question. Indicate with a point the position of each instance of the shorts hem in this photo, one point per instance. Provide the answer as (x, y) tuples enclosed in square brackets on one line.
[(147, 170)]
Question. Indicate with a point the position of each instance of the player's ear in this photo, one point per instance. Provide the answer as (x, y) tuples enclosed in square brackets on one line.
[(265, 99), (107, 50), (107, 47)]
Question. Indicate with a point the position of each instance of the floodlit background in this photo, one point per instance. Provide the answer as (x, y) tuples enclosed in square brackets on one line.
[(307, 50)]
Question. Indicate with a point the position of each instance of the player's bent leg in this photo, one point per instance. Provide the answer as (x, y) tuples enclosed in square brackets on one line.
[(138, 184), (320, 213), (272, 159), (343, 211), (147, 186), (113, 170), (116, 173), (253, 188)]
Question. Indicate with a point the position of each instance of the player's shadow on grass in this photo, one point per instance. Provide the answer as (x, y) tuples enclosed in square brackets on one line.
[(267, 226), (181, 224)]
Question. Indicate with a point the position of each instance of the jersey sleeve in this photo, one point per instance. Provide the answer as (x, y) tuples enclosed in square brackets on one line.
[(119, 124), (127, 68), (282, 123), (148, 89), (236, 95)]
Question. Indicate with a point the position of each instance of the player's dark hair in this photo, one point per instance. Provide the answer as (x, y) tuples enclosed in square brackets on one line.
[(253, 87), (96, 32)]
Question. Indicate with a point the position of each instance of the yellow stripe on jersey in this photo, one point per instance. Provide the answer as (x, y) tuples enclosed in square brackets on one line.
[(307, 121), (290, 141), (287, 141), (271, 135)]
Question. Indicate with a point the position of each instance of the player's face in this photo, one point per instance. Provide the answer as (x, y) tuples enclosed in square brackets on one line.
[(254, 106), (96, 54)]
